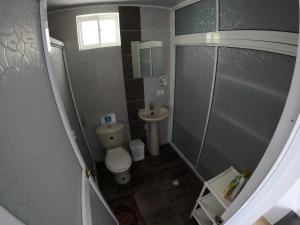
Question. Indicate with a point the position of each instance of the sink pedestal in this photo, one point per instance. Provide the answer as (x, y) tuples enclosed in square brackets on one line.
[(152, 117), (154, 139)]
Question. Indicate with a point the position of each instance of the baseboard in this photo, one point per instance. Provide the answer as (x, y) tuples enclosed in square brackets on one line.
[(188, 163)]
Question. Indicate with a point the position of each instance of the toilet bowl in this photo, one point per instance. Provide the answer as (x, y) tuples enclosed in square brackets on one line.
[(117, 159), (118, 162)]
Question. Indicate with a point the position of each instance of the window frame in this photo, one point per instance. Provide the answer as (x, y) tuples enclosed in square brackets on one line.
[(98, 17)]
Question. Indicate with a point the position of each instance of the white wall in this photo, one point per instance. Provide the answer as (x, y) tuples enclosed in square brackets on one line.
[(289, 202)]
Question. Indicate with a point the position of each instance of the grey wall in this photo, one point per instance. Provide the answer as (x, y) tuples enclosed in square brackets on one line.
[(96, 75), (40, 177), (155, 26)]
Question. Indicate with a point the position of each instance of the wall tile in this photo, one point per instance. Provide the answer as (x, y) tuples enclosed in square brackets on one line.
[(127, 67), (138, 131), (130, 24), (133, 109), (155, 19), (126, 38), (155, 25), (130, 18), (134, 89)]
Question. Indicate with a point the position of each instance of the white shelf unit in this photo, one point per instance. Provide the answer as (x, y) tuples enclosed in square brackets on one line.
[(201, 217), (212, 204)]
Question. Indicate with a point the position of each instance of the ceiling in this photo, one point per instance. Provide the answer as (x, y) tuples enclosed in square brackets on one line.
[(59, 4)]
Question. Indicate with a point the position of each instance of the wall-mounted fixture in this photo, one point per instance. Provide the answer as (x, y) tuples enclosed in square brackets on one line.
[(163, 81), (147, 58)]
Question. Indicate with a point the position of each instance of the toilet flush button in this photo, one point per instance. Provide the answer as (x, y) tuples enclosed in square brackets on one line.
[(175, 182)]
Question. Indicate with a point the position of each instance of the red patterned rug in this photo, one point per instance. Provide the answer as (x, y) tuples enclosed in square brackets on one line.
[(127, 211)]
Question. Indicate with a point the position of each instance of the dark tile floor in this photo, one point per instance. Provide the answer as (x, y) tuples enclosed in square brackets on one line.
[(289, 219), (159, 201)]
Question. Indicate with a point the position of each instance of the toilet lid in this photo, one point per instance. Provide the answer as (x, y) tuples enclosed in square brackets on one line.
[(118, 159)]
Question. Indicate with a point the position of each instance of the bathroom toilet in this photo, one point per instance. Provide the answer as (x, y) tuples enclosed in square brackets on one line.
[(117, 159)]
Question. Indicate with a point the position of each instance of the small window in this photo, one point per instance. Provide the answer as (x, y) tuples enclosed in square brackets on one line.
[(98, 30)]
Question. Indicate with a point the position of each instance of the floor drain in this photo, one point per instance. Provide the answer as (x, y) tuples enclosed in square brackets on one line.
[(175, 182)]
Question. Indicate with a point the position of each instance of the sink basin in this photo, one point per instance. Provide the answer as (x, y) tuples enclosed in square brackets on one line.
[(154, 115)]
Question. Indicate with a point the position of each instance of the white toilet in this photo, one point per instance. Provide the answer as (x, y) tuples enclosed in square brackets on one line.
[(117, 159)]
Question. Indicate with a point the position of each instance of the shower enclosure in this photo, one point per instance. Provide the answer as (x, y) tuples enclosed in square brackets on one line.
[(233, 69)]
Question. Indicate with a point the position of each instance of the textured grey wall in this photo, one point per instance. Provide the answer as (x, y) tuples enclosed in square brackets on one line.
[(96, 75), (155, 25), (40, 177)]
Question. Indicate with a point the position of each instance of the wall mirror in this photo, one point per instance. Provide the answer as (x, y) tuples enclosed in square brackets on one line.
[(147, 58)]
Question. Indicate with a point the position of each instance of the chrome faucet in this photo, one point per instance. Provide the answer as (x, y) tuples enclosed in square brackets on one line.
[(151, 106)]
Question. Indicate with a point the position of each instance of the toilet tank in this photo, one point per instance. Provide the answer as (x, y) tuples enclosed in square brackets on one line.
[(111, 135)]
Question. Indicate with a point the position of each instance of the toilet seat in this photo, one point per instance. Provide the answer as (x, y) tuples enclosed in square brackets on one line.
[(117, 160)]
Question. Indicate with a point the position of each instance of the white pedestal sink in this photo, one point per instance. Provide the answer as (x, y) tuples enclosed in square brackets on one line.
[(152, 117)]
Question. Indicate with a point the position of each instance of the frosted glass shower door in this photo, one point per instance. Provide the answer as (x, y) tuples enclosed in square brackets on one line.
[(199, 17), (274, 15), (194, 75), (61, 78), (95, 209), (250, 93)]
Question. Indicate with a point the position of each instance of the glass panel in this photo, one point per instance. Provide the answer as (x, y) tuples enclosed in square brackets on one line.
[(108, 31), (194, 73), (199, 17), (250, 93), (275, 15), (145, 60), (157, 61), (90, 33), (100, 214), (61, 79)]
